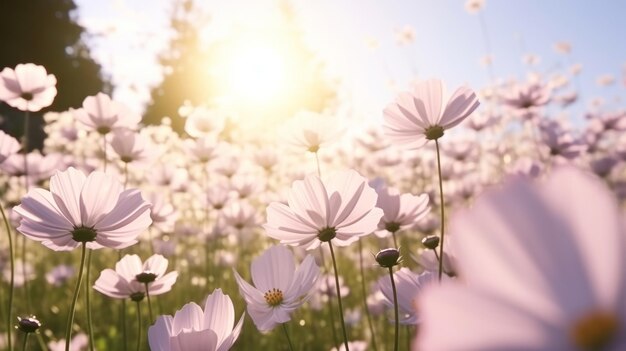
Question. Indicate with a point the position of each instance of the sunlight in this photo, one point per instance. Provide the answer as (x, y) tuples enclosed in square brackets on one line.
[(255, 73)]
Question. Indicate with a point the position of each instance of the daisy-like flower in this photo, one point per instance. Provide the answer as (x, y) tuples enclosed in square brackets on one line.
[(203, 122), (132, 279), (279, 288), (192, 329), (101, 114), (8, 146), (130, 146), (401, 211), (28, 87), (310, 130), (81, 209), (341, 209), (419, 115), (543, 266)]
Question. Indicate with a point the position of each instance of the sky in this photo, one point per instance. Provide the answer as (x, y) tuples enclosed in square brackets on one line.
[(449, 42)]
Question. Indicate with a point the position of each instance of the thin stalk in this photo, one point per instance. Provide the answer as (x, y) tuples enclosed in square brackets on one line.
[(125, 175), (364, 294), (25, 147), (395, 240), (317, 162), (343, 324), (442, 208), (25, 275), (149, 303), (70, 318), (139, 327), (25, 341), (88, 300), (42, 344), (104, 156), (122, 312), (12, 277), (395, 310), (288, 338)]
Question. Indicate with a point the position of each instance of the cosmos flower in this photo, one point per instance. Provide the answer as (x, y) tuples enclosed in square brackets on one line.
[(542, 268), (100, 113), (28, 87), (8, 146), (310, 131), (83, 209), (130, 277), (401, 211), (419, 115), (279, 288), (203, 122), (341, 209), (130, 146), (408, 285), (192, 329)]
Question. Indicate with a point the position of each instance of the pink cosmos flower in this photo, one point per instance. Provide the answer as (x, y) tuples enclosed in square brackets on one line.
[(8, 146), (401, 211), (419, 115), (130, 146), (279, 288), (83, 209), (341, 209), (101, 114), (203, 122), (131, 278), (192, 329), (542, 267), (28, 87)]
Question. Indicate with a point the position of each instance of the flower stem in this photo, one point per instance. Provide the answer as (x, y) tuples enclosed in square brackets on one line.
[(12, 276), (149, 303), (122, 312), (395, 241), (317, 162), (331, 309), (25, 147), (25, 341), (104, 156), (395, 310), (139, 327), (287, 335), (442, 208), (70, 317), (343, 324), (42, 344), (364, 294), (88, 300), (125, 175)]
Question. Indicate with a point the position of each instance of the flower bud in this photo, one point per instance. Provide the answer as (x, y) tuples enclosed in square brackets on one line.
[(28, 324), (388, 258), (431, 242)]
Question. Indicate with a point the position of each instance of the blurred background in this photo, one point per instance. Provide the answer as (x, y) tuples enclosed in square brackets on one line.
[(265, 60)]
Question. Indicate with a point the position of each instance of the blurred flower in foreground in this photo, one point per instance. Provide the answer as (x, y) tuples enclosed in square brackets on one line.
[(83, 209), (353, 345), (542, 267), (131, 278), (279, 288), (79, 342), (419, 115), (192, 329), (28, 88), (341, 209)]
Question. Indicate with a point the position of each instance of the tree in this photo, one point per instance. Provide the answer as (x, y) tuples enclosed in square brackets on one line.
[(45, 32)]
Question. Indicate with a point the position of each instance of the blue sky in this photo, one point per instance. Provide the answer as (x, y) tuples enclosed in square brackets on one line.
[(448, 44)]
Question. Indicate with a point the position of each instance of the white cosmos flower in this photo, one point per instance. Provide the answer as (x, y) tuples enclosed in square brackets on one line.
[(279, 288)]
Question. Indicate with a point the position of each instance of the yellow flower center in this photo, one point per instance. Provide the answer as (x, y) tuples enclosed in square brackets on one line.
[(595, 330), (273, 297)]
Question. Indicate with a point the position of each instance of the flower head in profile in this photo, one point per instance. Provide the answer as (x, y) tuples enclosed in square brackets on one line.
[(542, 265), (100, 113), (81, 209), (279, 288), (192, 329), (131, 278), (420, 115), (341, 209), (401, 211), (28, 87)]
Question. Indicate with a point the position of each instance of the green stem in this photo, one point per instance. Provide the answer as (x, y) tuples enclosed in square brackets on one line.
[(395, 310), (122, 312), (364, 289), (25, 147), (343, 324), (25, 275), (70, 318), (287, 335), (331, 309), (395, 240), (42, 344), (12, 276), (88, 300), (442, 208), (139, 327), (149, 303), (25, 341)]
